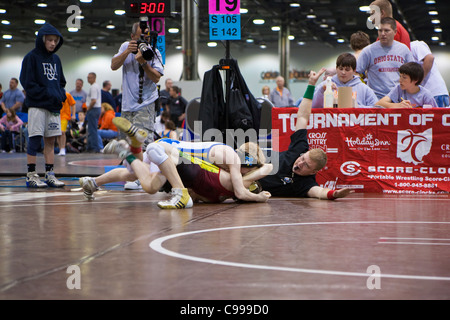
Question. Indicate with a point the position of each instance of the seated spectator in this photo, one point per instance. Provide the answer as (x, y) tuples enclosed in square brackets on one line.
[(265, 92), (345, 77), (169, 130), (409, 93), (107, 130), (10, 124), (160, 123), (281, 96)]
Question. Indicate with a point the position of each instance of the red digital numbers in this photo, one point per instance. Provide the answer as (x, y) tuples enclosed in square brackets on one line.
[(152, 7)]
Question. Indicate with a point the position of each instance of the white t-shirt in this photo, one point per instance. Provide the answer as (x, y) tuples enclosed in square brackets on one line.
[(434, 81), (130, 81), (94, 93)]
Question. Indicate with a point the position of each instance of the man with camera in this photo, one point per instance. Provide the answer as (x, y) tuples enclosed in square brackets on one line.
[(142, 69)]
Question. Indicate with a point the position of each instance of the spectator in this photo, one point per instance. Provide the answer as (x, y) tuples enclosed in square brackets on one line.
[(67, 114), (409, 93), (10, 124), (160, 123), (118, 101), (94, 104), (1, 92), (402, 34), (265, 92), (106, 95), (164, 94), (281, 96), (43, 79), (169, 130), (107, 130), (382, 59), (358, 41), (433, 80), (12, 98), (177, 106), (79, 95), (345, 77)]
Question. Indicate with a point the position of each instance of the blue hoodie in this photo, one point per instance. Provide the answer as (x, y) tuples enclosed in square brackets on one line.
[(42, 75)]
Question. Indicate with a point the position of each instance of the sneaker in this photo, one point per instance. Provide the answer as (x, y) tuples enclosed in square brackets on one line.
[(255, 187), (89, 187), (33, 181), (52, 181), (137, 135), (180, 199), (119, 147), (62, 152), (133, 185)]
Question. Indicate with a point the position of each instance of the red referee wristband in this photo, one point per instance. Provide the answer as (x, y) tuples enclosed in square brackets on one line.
[(330, 195)]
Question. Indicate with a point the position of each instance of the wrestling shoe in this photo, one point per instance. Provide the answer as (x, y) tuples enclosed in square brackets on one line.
[(52, 181), (133, 185), (255, 187), (137, 136), (119, 147), (180, 200), (33, 181), (89, 187)]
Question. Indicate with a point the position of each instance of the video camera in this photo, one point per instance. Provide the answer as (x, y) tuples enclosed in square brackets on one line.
[(146, 39)]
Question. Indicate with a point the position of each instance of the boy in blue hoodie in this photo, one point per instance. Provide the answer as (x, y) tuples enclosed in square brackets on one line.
[(346, 77), (43, 79)]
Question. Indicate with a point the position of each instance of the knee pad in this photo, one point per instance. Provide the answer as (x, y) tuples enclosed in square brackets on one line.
[(156, 153), (34, 144)]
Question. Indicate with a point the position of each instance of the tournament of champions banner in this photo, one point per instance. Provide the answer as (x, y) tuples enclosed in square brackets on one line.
[(404, 151)]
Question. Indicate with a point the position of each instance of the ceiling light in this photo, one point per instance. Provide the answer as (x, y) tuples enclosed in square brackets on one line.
[(8, 45), (5, 22), (340, 40), (263, 46), (7, 36), (179, 47), (301, 43), (435, 38), (72, 29), (42, 5), (442, 43), (110, 26), (258, 21), (250, 40), (85, 1), (324, 25), (212, 44), (39, 21), (173, 30), (435, 21), (291, 37), (94, 46), (437, 29), (80, 17), (294, 4), (433, 13), (119, 12), (311, 16), (332, 33), (243, 10), (430, 2), (276, 28), (2, 11)]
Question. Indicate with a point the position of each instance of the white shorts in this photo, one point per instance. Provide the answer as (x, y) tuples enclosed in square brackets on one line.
[(44, 123), (153, 167)]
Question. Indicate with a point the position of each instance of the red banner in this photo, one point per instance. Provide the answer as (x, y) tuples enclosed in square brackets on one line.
[(376, 150)]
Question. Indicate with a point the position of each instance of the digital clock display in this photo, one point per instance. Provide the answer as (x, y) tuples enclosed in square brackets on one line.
[(155, 8)]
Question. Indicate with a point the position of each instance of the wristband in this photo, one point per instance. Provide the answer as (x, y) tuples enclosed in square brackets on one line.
[(330, 195), (309, 93), (135, 150)]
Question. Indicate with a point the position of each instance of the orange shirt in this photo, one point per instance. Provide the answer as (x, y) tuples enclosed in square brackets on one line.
[(105, 121), (66, 113)]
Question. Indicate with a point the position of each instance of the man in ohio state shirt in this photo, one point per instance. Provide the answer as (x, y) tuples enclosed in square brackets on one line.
[(382, 59)]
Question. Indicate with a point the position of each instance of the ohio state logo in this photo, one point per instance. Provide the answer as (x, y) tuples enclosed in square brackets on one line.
[(412, 147)]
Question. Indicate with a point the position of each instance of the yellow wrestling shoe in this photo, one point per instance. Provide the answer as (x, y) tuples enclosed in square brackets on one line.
[(180, 200), (137, 135)]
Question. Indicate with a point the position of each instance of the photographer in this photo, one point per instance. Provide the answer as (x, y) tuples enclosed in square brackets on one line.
[(140, 76)]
